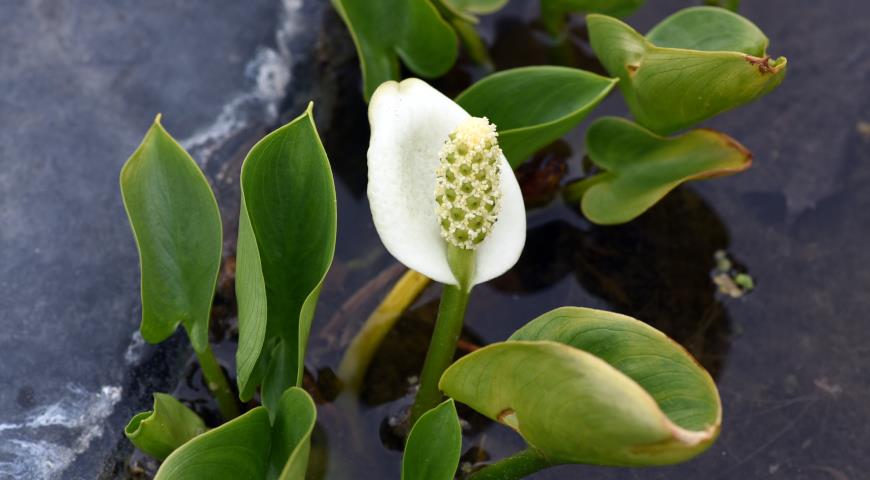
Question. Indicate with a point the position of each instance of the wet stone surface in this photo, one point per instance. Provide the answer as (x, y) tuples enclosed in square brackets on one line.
[(81, 81)]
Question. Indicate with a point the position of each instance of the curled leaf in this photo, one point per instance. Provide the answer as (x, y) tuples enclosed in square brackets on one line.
[(695, 64), (433, 447), (533, 106), (385, 30), (167, 426), (286, 242), (588, 386), (177, 226), (640, 167)]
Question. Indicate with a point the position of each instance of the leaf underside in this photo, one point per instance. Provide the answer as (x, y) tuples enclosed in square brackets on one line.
[(167, 426)]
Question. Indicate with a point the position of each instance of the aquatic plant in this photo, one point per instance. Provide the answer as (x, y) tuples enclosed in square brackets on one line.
[(578, 385)]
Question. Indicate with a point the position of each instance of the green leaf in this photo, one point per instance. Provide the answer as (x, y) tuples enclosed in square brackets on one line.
[(533, 106), (433, 447), (236, 449), (697, 63), (177, 226), (553, 12), (469, 9), (286, 242), (291, 435), (588, 386), (640, 167), (248, 446), (166, 427), (385, 30)]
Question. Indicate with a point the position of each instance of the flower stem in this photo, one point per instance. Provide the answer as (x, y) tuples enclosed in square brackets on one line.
[(514, 467), (442, 347), (217, 383), (362, 348)]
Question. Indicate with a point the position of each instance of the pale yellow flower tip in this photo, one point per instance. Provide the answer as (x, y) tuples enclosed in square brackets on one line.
[(467, 190)]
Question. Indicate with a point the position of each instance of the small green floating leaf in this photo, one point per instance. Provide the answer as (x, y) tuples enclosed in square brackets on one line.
[(533, 106), (177, 226), (434, 445), (589, 386), (385, 30), (287, 229), (553, 12), (641, 167), (695, 64), (248, 446), (166, 427)]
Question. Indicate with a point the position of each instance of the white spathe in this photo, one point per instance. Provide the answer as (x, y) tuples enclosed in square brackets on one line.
[(410, 122)]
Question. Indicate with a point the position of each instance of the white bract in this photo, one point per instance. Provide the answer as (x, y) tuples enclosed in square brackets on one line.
[(436, 174)]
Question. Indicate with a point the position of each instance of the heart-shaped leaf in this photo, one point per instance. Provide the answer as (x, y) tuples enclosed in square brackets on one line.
[(553, 12), (248, 446), (641, 167), (433, 447), (177, 226), (385, 30), (166, 427), (588, 386), (695, 64), (286, 241), (533, 106)]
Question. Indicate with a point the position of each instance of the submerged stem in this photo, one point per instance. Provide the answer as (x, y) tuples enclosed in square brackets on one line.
[(217, 383), (362, 348), (516, 466)]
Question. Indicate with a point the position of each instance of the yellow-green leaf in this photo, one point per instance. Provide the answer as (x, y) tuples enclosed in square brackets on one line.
[(695, 64), (433, 447), (588, 386), (167, 426), (640, 167)]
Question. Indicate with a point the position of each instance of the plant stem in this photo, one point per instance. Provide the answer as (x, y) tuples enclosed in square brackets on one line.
[(448, 326), (358, 356), (514, 467), (473, 43), (217, 383)]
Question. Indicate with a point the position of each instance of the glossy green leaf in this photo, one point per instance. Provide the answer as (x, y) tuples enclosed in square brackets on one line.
[(166, 427), (248, 446), (640, 167), (434, 445), (177, 226), (553, 12), (291, 435), (695, 64), (533, 106), (286, 242), (386, 30), (588, 386)]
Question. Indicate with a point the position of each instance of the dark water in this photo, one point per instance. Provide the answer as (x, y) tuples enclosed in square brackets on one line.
[(791, 358)]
